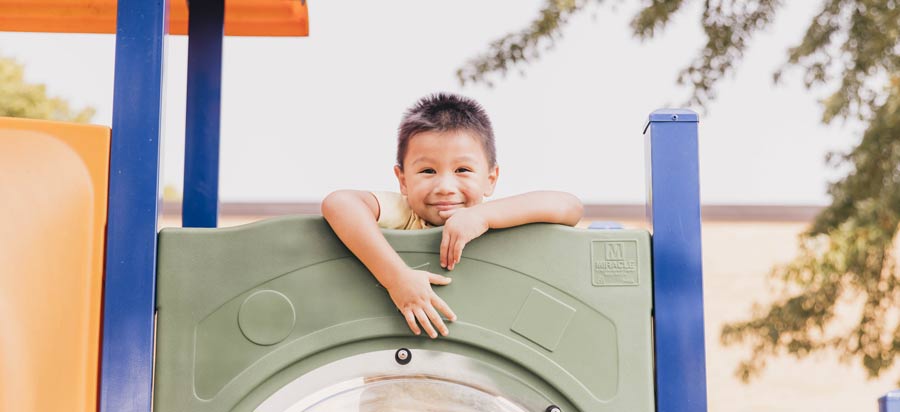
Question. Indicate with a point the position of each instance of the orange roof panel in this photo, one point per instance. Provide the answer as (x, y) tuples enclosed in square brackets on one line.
[(242, 17)]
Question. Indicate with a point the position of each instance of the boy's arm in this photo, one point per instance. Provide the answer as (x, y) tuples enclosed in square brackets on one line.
[(532, 207), (463, 225), (353, 216)]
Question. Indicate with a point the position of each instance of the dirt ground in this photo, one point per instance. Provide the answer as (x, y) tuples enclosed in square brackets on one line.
[(737, 257)]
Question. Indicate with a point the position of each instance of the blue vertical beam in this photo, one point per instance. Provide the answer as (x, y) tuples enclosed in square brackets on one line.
[(890, 402), (200, 206), (130, 284), (673, 209)]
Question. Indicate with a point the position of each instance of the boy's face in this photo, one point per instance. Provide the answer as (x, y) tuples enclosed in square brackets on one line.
[(445, 171)]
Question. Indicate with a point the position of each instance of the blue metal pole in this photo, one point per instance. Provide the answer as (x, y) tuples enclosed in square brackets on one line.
[(130, 282), (890, 402), (200, 206), (673, 208)]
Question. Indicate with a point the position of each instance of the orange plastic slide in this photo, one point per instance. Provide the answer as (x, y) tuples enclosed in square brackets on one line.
[(53, 192)]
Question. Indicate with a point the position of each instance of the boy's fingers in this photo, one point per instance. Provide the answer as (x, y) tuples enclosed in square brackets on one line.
[(436, 320), (450, 247), (447, 251), (436, 279), (445, 243), (411, 322), (457, 252), (426, 324), (442, 306)]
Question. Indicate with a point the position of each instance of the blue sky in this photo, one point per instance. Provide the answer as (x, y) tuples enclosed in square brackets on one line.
[(302, 117)]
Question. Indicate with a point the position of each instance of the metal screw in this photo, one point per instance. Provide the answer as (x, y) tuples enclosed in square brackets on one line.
[(674, 117), (403, 356), (553, 408)]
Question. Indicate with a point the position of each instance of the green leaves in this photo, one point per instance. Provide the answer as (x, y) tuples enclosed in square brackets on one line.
[(522, 47), (21, 99), (857, 42), (846, 259), (654, 17)]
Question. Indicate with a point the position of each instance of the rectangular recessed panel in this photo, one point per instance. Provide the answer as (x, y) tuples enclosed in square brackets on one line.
[(543, 319)]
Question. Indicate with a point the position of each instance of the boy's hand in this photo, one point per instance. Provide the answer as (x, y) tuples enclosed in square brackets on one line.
[(461, 226), (411, 292)]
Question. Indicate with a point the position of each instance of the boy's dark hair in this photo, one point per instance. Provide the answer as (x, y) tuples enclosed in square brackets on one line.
[(443, 112)]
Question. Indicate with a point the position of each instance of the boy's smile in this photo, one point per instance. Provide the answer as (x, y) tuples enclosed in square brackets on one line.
[(444, 171)]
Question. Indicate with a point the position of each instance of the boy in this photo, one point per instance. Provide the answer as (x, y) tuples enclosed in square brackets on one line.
[(446, 165)]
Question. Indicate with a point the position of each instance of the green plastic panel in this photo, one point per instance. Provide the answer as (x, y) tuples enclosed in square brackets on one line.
[(244, 311)]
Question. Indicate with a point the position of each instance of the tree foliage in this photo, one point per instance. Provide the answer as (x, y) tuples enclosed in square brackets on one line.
[(851, 50), (21, 99)]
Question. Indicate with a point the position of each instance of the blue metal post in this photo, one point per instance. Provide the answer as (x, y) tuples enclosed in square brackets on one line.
[(130, 283), (200, 206), (890, 402), (673, 208)]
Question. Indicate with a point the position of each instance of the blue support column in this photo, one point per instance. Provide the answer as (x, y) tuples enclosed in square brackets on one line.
[(130, 282), (200, 206), (673, 208), (890, 402)]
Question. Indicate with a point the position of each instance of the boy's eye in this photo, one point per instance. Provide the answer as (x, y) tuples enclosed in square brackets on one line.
[(429, 171), (463, 170)]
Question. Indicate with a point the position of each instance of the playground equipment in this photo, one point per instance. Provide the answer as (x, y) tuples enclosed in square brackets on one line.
[(53, 183), (549, 345), (890, 402), (549, 315)]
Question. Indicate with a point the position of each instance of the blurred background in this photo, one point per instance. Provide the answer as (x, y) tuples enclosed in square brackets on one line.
[(786, 328)]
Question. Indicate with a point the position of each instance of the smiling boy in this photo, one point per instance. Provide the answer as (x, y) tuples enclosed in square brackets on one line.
[(446, 166)]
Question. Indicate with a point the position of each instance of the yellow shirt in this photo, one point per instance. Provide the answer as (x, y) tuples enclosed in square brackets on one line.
[(395, 213)]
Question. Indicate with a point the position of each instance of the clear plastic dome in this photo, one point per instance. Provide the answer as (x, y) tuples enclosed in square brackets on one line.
[(413, 394), (431, 381)]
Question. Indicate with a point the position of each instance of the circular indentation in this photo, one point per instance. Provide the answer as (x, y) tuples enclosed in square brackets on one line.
[(674, 117), (403, 356), (266, 317), (553, 408)]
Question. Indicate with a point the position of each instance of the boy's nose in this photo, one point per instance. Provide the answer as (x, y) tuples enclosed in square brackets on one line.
[(445, 185)]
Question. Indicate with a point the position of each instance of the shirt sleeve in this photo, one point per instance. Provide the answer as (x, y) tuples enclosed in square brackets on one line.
[(394, 212)]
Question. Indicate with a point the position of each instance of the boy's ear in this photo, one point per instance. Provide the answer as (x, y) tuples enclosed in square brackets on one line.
[(492, 179), (401, 179)]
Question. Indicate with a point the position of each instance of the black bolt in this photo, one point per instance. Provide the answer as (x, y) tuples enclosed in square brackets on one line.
[(553, 408), (403, 356)]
